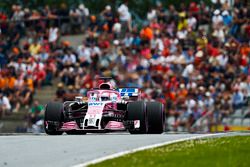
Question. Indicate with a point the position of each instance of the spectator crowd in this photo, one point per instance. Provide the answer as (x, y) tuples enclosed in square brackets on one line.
[(194, 58)]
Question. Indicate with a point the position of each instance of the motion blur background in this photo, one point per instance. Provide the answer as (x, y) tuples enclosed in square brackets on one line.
[(191, 55)]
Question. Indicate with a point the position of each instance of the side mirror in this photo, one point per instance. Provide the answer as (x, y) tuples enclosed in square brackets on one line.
[(79, 98)]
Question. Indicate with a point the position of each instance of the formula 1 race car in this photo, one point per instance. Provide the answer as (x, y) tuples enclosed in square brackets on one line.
[(106, 109)]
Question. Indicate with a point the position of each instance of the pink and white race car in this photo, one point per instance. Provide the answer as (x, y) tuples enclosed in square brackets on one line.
[(106, 109)]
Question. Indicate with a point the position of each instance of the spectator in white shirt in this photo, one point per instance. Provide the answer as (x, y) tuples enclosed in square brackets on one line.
[(222, 59), (152, 14), (4, 105), (127, 41), (219, 34), (125, 17), (217, 19), (18, 13), (83, 11), (190, 104), (189, 69), (53, 34), (182, 34), (84, 54), (117, 28), (69, 58), (192, 22)]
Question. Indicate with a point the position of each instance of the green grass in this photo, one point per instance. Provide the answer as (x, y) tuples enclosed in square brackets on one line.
[(213, 152)]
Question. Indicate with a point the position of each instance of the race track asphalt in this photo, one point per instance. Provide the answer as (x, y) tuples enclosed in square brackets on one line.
[(66, 150)]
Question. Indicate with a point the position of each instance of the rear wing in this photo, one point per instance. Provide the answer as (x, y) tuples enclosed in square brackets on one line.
[(129, 92)]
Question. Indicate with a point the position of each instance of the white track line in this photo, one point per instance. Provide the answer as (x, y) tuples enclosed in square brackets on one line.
[(98, 160)]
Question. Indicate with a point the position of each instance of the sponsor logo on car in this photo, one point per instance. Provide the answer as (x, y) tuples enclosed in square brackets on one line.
[(95, 104), (137, 123)]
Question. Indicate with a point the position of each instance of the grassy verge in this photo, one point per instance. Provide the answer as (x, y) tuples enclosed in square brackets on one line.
[(214, 152)]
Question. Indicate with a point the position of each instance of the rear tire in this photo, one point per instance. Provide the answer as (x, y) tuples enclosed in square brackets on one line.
[(53, 113), (137, 111), (156, 117)]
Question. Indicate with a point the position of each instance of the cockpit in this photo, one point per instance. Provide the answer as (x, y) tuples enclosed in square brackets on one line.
[(103, 96)]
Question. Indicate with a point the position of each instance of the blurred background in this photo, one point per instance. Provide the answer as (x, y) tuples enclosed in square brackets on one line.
[(191, 55)]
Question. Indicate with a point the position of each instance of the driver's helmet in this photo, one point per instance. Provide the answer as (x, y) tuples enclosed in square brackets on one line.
[(105, 97)]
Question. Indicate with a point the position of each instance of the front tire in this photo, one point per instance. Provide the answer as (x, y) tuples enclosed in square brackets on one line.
[(156, 117), (137, 111), (53, 118)]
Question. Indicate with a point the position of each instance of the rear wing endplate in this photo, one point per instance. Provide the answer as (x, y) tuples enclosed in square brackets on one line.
[(131, 92)]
